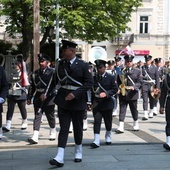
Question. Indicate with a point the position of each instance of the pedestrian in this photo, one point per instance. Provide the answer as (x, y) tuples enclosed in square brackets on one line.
[(129, 83), (150, 81), (75, 78), (18, 95), (105, 86), (3, 93), (42, 85), (166, 95)]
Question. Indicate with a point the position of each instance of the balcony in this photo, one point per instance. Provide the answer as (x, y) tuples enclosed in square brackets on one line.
[(122, 40)]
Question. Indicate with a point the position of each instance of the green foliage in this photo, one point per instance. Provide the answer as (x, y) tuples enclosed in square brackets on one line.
[(5, 46), (83, 19), (87, 20), (95, 19)]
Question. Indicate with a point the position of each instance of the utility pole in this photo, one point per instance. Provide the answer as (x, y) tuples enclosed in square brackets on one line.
[(57, 32), (36, 34)]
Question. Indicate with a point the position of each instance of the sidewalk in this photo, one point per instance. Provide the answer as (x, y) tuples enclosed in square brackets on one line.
[(130, 150)]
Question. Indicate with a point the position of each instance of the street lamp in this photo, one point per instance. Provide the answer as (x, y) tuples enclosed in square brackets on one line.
[(57, 32)]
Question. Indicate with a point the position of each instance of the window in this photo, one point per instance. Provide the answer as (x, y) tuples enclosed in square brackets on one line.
[(144, 25)]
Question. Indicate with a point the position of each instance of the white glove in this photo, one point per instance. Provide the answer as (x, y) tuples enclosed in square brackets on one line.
[(1, 100)]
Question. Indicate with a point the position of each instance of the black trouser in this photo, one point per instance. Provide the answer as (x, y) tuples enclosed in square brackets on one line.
[(123, 108), (11, 107), (145, 96), (85, 115), (65, 117), (167, 116), (162, 98), (115, 104), (49, 112), (107, 116)]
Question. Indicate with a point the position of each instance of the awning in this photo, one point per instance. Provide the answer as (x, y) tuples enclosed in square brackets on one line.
[(137, 52)]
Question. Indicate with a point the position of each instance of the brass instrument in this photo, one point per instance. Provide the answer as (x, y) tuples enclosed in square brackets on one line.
[(155, 92), (96, 53), (122, 86)]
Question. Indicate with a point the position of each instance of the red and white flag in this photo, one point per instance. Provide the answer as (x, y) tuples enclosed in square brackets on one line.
[(24, 75), (127, 50)]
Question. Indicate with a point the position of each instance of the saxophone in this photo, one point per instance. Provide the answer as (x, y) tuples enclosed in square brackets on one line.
[(122, 86)]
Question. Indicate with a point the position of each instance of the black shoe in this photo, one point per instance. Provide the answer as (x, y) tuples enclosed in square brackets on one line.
[(108, 143), (118, 131), (93, 145), (23, 128), (51, 139), (144, 118), (77, 160), (154, 114), (31, 141), (5, 129), (166, 146), (56, 163)]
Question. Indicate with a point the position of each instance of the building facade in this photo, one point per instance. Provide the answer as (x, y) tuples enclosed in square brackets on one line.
[(150, 27)]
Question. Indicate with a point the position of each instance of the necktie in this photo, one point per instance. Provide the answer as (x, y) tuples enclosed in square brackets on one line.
[(41, 72), (68, 65), (100, 78)]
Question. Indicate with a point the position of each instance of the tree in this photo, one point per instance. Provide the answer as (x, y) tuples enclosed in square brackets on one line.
[(87, 20)]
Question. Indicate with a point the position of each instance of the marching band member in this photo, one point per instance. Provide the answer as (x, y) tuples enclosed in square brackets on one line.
[(41, 87), (159, 65), (18, 95), (105, 86), (75, 78), (111, 69), (150, 80), (3, 94), (129, 83), (166, 95)]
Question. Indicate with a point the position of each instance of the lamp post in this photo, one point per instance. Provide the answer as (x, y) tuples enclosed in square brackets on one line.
[(36, 34), (57, 32)]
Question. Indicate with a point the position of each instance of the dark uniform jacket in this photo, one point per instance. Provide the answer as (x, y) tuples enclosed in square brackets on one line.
[(165, 90), (3, 86), (109, 84), (81, 78), (153, 73), (161, 74), (39, 83), (135, 80)]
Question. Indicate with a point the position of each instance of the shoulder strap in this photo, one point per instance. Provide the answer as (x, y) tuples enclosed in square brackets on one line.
[(75, 81), (149, 76)]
